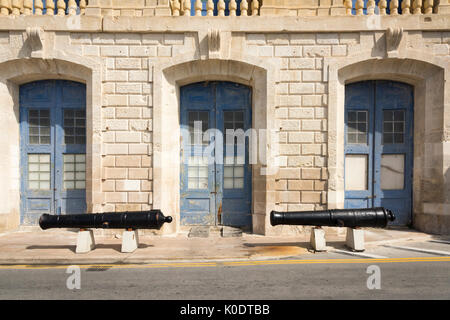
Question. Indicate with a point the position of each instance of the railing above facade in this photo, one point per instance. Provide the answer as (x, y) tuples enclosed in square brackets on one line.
[(215, 7), (222, 7), (42, 7)]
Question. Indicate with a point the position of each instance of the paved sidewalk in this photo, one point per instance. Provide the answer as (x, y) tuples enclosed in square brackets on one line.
[(58, 247)]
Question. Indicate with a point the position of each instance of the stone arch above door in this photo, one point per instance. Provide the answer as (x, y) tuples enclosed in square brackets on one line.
[(430, 91), (15, 72), (167, 80)]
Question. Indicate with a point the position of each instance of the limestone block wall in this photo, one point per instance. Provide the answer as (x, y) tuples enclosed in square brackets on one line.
[(307, 63)]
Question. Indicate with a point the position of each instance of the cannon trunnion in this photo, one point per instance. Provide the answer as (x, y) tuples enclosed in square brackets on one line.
[(352, 218)]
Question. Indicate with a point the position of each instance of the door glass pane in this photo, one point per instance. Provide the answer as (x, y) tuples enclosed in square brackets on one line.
[(198, 124), (233, 172), (39, 126), (356, 172), (198, 172), (74, 126), (74, 171), (233, 120), (393, 126), (357, 126), (392, 171), (39, 171)]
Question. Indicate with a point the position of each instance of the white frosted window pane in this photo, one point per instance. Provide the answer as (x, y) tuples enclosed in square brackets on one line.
[(33, 184), (80, 185), (69, 176), (239, 183), (228, 172), (44, 158), (33, 167), (45, 176), (356, 172), (44, 185), (80, 176), (33, 158), (228, 183), (33, 176), (192, 184), (392, 171), (240, 160), (203, 183), (193, 172), (69, 158), (44, 167), (80, 158), (229, 160), (69, 167), (239, 172), (69, 185), (203, 172), (81, 167)]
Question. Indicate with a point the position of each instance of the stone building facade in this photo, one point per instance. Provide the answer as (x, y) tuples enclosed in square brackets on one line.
[(298, 58)]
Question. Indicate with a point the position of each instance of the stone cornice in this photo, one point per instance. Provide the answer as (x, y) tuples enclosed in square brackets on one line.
[(237, 24)]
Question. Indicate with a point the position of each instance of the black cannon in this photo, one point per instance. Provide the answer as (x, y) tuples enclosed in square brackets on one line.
[(352, 218), (152, 219)]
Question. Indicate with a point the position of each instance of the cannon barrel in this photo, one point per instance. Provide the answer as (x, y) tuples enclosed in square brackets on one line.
[(371, 217), (152, 219)]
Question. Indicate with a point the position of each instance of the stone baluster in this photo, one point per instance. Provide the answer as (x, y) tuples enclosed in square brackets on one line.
[(232, 6), (210, 8), (175, 4), (417, 6), (221, 8), (428, 7), (61, 7), (186, 8), (393, 6), (72, 7), (50, 5), (406, 5), (83, 5), (359, 6), (27, 7), (244, 8), (370, 7), (5, 7), (16, 6), (348, 7), (255, 7), (38, 7), (198, 7), (382, 5)]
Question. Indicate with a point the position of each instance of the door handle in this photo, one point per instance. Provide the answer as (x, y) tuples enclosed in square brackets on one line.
[(372, 197)]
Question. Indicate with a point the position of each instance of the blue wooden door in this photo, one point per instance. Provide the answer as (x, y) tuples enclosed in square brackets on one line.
[(53, 148), (379, 147), (215, 179)]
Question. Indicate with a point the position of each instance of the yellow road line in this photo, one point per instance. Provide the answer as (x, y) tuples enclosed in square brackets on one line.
[(234, 263)]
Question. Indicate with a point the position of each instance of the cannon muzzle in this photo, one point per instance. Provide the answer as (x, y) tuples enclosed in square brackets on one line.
[(153, 219), (352, 218)]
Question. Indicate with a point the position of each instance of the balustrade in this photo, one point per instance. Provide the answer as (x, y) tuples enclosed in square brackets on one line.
[(215, 7)]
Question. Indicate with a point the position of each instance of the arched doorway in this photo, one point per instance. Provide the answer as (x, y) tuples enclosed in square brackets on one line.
[(215, 178), (52, 148), (379, 147)]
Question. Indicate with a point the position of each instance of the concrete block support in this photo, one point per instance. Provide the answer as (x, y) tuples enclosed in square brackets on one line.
[(130, 241), (355, 239), (318, 239), (85, 241)]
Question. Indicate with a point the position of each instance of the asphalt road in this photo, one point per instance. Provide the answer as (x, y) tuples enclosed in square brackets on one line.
[(329, 276)]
